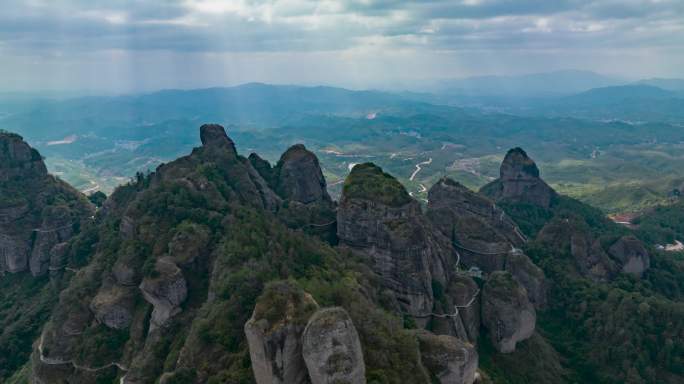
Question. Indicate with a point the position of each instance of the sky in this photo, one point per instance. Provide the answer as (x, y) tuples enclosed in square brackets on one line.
[(130, 46)]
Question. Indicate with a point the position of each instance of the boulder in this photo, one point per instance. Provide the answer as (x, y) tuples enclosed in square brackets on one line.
[(507, 313), (519, 182), (274, 334), (631, 254), (331, 348), (166, 290), (448, 359)]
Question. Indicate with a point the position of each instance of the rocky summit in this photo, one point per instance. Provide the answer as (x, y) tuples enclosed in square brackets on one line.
[(519, 182), (38, 212)]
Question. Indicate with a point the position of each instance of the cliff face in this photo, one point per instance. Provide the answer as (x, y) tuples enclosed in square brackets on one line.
[(519, 182), (399, 241), (38, 213), (506, 312), (485, 236)]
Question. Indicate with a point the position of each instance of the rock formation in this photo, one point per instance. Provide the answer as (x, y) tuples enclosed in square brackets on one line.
[(298, 177), (519, 182), (572, 236), (376, 217), (484, 235), (332, 350), (631, 254), (38, 213), (448, 359), (507, 313), (166, 290), (274, 334)]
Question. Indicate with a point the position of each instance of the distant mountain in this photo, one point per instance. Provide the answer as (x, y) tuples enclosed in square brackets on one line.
[(636, 103), (537, 84), (667, 84), (256, 104)]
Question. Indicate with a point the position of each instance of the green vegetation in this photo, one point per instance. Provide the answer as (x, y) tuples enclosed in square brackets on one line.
[(662, 225), (368, 181), (625, 331)]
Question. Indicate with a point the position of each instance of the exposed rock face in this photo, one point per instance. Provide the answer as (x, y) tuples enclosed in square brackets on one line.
[(631, 254), (484, 235), (274, 334), (166, 290), (18, 159), (37, 212), (299, 176), (529, 276), (215, 135), (482, 232), (462, 296), (448, 359), (262, 166), (519, 182), (506, 312), (55, 230), (332, 350), (113, 305), (403, 247)]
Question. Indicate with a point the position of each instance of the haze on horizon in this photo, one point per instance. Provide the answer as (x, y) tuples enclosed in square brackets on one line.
[(129, 46)]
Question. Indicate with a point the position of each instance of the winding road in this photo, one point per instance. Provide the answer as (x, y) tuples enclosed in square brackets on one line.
[(418, 168)]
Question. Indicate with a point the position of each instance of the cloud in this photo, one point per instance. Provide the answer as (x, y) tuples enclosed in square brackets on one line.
[(428, 28)]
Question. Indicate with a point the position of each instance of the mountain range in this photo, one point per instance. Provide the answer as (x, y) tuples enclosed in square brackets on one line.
[(221, 268)]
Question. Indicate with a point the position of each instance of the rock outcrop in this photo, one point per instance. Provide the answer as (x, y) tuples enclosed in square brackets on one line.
[(331, 348), (507, 313), (274, 334), (519, 182), (631, 254), (114, 304), (38, 213), (166, 290), (448, 359), (573, 237), (484, 235), (298, 177), (377, 218), (214, 135)]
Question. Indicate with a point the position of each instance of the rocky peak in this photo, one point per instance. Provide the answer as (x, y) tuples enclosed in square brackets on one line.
[(519, 182), (367, 181), (377, 217), (18, 159), (214, 135), (517, 165), (34, 226), (299, 176)]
